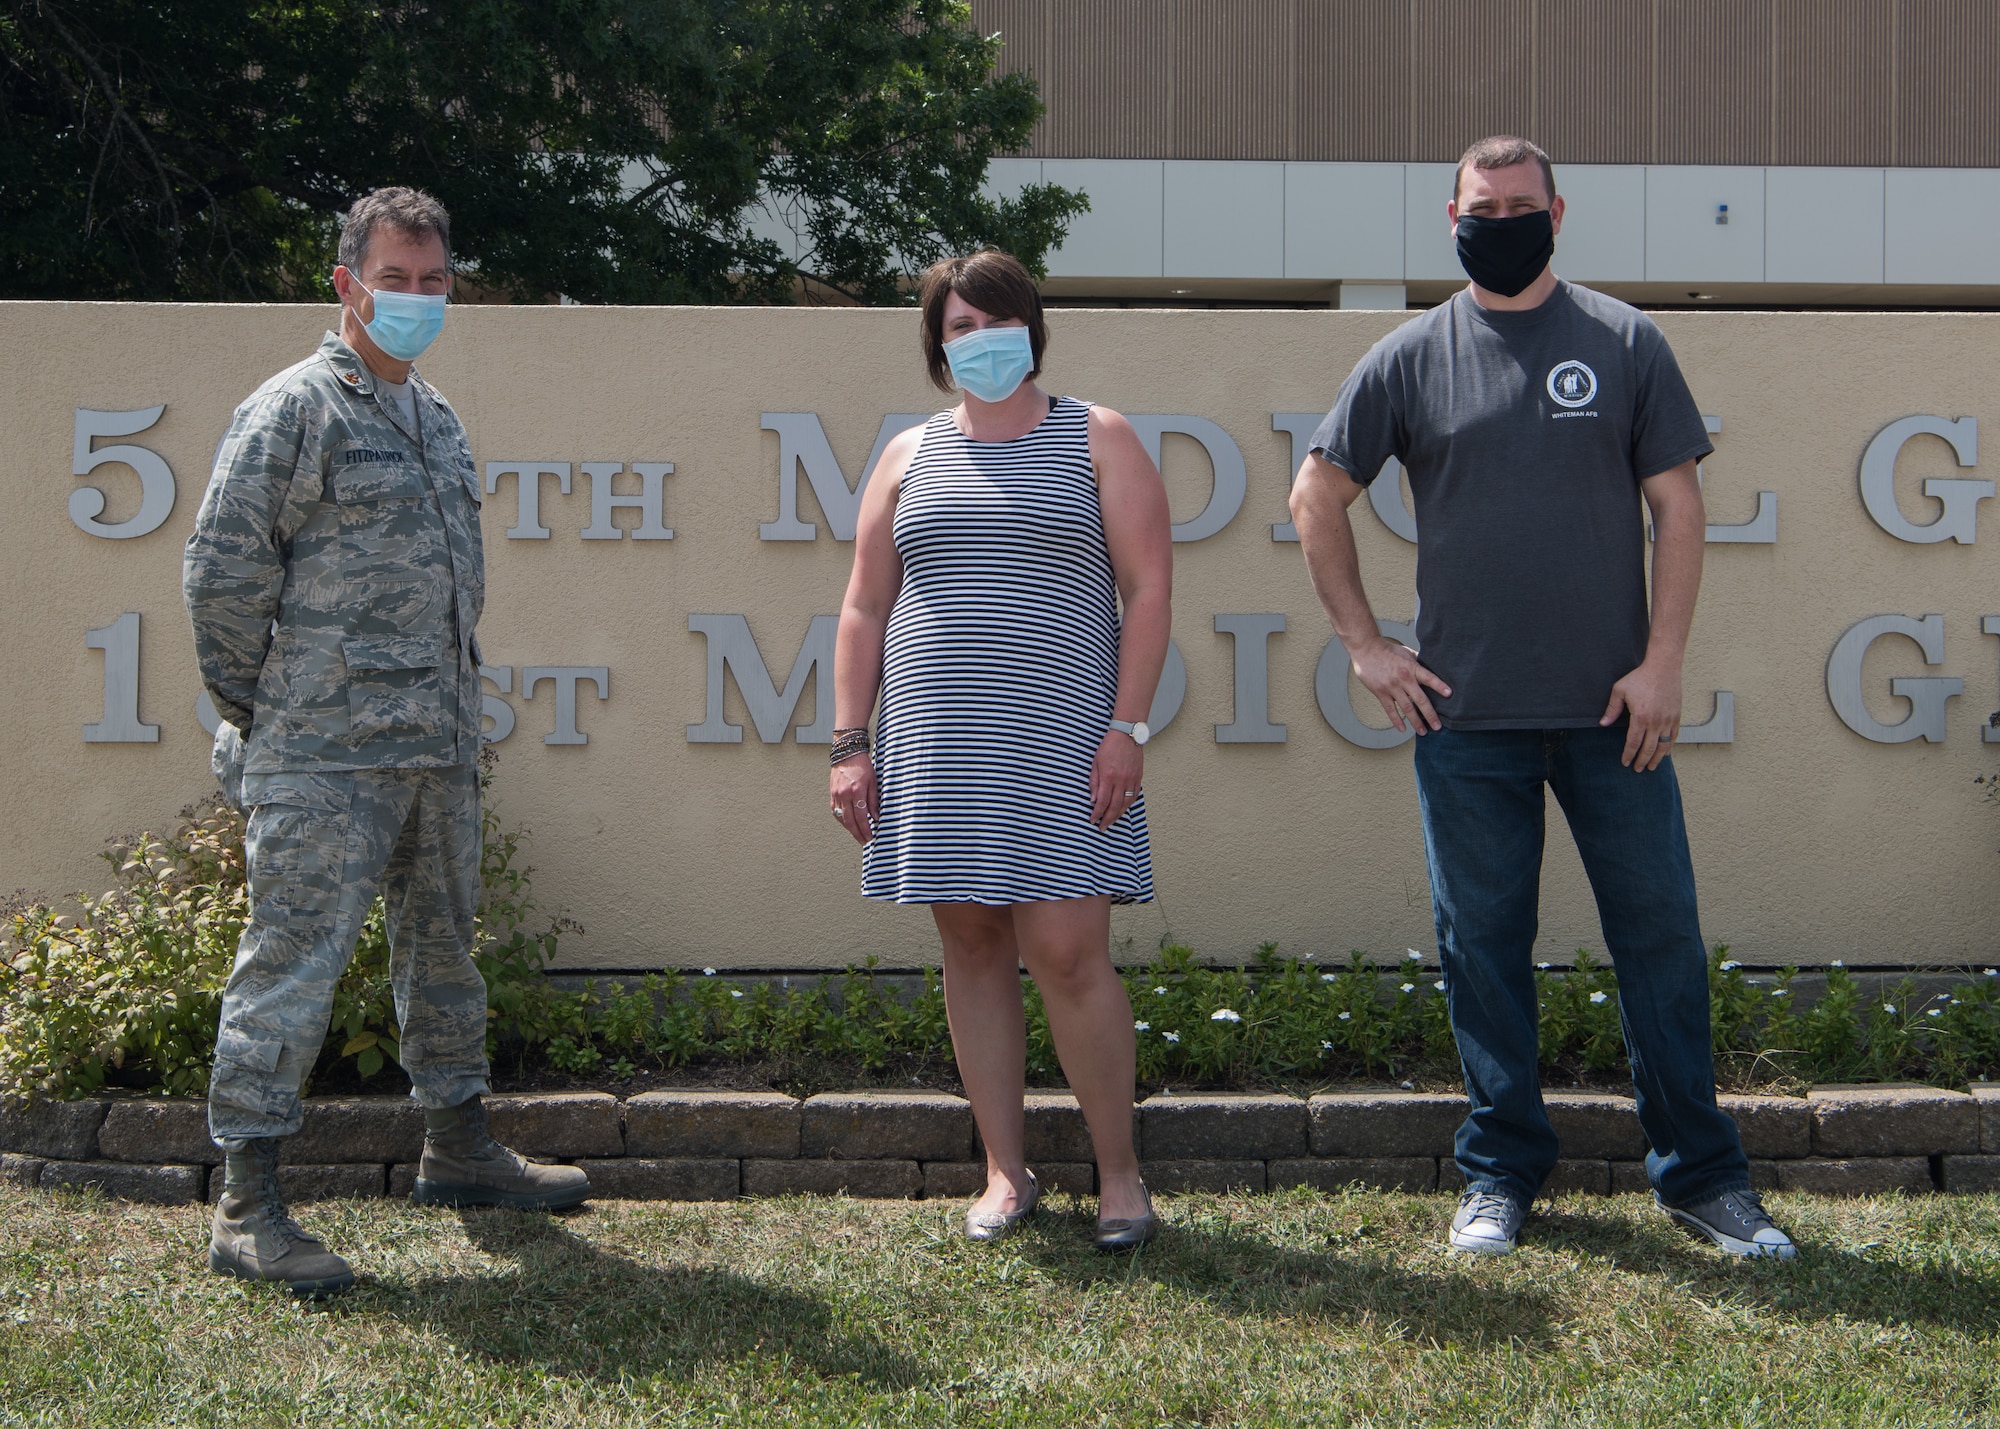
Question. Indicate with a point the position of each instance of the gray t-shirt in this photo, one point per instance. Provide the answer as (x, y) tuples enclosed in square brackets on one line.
[(1525, 435)]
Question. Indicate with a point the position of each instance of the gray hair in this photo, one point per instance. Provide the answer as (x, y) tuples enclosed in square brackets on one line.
[(409, 211)]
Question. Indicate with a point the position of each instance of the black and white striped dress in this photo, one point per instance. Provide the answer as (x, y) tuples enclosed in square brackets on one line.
[(999, 668)]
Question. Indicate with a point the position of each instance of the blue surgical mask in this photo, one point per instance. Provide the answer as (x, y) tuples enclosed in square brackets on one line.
[(405, 323), (991, 362)]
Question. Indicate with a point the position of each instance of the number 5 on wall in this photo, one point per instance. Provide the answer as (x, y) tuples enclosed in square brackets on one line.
[(156, 478)]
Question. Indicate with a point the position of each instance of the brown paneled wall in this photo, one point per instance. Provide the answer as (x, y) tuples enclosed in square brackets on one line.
[(1868, 82)]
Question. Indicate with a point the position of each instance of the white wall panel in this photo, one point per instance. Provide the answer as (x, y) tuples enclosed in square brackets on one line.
[(1428, 249), (1344, 221), (1941, 226), (1121, 235), (1224, 219), (1684, 243), (1823, 225), (1005, 178), (1603, 239)]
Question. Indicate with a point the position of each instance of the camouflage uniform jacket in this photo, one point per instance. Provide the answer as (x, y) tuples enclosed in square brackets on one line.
[(335, 575)]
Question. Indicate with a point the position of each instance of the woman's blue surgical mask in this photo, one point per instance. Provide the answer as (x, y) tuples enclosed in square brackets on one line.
[(991, 362), (405, 323)]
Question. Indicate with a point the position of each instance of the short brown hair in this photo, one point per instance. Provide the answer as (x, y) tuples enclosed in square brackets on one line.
[(1503, 151), (409, 211), (993, 282)]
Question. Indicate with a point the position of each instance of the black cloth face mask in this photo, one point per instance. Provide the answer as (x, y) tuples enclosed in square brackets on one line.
[(1505, 255)]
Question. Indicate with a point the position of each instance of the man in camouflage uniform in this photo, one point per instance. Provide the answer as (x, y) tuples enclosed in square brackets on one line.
[(334, 579)]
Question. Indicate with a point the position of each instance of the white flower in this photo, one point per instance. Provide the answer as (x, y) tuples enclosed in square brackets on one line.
[(1598, 997), (1328, 977), (1414, 953), (1409, 987), (1888, 1007), (1171, 1036), (1345, 1016), (1543, 966), (1732, 965), (1954, 1002), (1836, 963), (1326, 1046), (1781, 992), (1142, 1027), (708, 972), (1993, 972), (1440, 984), (1160, 991), (736, 992), (1223, 1014), (1935, 1012)]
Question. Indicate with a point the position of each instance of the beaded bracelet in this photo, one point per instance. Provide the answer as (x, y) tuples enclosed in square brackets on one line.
[(846, 744)]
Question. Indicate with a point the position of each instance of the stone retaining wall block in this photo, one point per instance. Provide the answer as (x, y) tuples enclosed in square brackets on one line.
[(1373, 1124), (1770, 1127), (1203, 1175), (882, 1180), (1054, 1128), (1969, 1173), (697, 1124), (59, 1131), (667, 1178), (966, 1180), (1865, 1176), (359, 1129), (886, 1125), (1377, 1173), (1221, 1126), (1588, 1177), (403, 1179), (154, 1132), (23, 1171), (1987, 1097), (160, 1185), (558, 1124), (1596, 1125), (1892, 1121), (342, 1181)]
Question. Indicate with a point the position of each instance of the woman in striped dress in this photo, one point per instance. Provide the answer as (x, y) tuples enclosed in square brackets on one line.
[(1004, 784)]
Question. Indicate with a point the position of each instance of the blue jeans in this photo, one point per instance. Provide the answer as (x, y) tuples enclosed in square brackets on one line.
[(1483, 810)]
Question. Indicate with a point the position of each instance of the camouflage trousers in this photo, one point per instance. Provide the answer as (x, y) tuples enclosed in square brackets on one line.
[(319, 847)]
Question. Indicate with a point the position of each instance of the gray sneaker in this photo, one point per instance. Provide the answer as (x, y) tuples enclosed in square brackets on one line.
[(1486, 1223), (1736, 1221)]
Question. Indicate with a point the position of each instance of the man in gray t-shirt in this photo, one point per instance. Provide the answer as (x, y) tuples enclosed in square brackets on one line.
[(1533, 418)]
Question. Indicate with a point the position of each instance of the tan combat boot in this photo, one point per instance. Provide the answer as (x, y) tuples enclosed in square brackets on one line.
[(255, 1238), (464, 1166)]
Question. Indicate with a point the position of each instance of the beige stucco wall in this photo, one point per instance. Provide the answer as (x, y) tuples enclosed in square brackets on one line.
[(1810, 842)]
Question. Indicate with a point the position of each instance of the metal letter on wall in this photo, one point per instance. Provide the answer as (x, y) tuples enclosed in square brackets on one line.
[(1720, 727), (1333, 693), (156, 478), (1385, 492), (802, 443), (120, 643), (527, 493), (1300, 426), (1170, 693), (731, 646), (650, 500), (1759, 530), (1926, 694), (498, 710), (209, 716), (1251, 635), (1960, 499), (1232, 478), (1989, 732), (566, 678)]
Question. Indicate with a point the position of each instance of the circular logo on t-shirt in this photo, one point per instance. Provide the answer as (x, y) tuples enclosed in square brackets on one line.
[(1572, 384)]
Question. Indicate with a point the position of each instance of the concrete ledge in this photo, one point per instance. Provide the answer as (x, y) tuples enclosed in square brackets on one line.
[(1858, 1176), (1629, 1177), (963, 1180), (1588, 1177), (59, 1131), (343, 1181), (1221, 1126), (1771, 1127), (160, 1185), (23, 1171), (1203, 1175), (558, 1124), (1596, 1125), (403, 1179), (881, 1180), (1054, 1129), (886, 1125), (1892, 1121), (708, 1124), (1969, 1173), (674, 1178), (1370, 1124), (1986, 1096), (1377, 1173), (378, 1129), (158, 1131)]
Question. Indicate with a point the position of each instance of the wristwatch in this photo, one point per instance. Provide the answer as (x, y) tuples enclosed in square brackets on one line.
[(1136, 728)]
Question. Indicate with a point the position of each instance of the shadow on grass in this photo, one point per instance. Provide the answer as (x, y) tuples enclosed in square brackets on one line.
[(574, 1310), (1824, 1282)]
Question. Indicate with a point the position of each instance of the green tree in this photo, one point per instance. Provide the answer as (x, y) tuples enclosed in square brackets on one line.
[(623, 151)]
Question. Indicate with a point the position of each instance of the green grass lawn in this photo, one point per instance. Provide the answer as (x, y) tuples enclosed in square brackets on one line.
[(1297, 1308)]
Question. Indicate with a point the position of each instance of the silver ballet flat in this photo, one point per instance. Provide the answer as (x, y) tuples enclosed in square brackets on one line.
[(992, 1225), (1128, 1232)]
